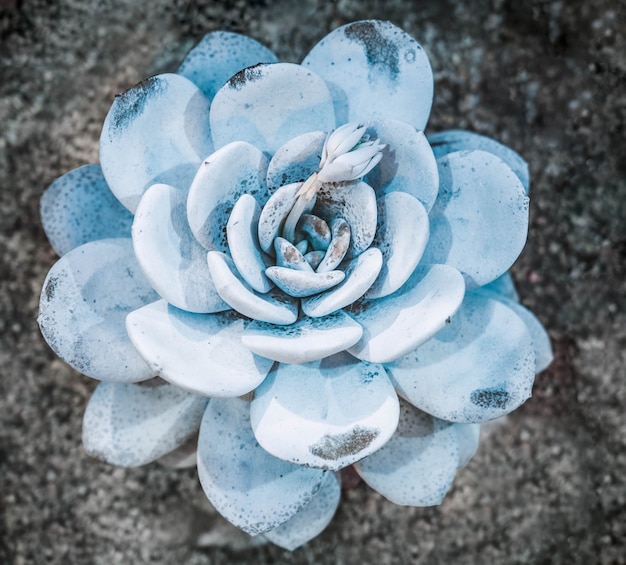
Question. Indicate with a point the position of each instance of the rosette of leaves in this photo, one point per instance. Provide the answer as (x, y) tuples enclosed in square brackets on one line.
[(315, 282)]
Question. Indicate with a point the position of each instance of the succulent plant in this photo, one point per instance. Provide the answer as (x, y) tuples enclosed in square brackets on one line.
[(315, 282)]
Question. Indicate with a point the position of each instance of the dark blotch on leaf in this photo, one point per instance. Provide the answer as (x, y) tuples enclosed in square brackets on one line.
[(130, 104), (380, 51), (336, 446), (51, 286), (490, 398), (249, 74)]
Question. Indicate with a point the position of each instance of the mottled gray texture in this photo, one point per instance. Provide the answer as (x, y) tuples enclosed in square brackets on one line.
[(547, 484)]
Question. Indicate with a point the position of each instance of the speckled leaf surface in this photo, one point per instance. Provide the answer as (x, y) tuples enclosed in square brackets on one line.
[(252, 489), (480, 367), (340, 411), (247, 107), (131, 425), (374, 70), (296, 160), (84, 302), (480, 220), (155, 132), (218, 56), (79, 207)]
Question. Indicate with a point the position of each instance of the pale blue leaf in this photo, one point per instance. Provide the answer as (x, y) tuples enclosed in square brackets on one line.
[(296, 160), (480, 220), (480, 367), (449, 141), (468, 436), (374, 70), (169, 255), (202, 353), (252, 489), (504, 286), (79, 207), (155, 132), (312, 519), (220, 55), (417, 465), (408, 164), (267, 105), (84, 302), (325, 414), (131, 425)]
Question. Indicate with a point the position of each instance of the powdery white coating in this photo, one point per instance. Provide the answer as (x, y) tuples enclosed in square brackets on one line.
[(374, 70), (316, 230), (402, 235), (338, 247), (84, 302), (155, 132), (360, 273), (306, 340), (218, 56), (243, 243), (296, 160), (538, 334), (289, 256), (480, 220), (79, 207), (201, 353), (430, 296), (247, 107), (468, 437), (417, 465), (252, 489), (355, 202), (274, 214), (408, 164), (130, 425), (449, 141), (236, 169), (300, 283), (480, 367), (169, 255), (274, 306), (311, 520), (340, 411)]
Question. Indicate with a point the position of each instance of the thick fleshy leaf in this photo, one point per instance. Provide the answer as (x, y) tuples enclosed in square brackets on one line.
[(401, 236), (480, 367), (201, 353), (468, 436), (303, 283), (417, 465), (170, 257), (79, 207), (306, 340), (84, 302), (220, 55), (338, 246), (267, 105), (239, 168), (155, 132), (130, 425), (252, 489), (449, 141), (355, 202), (538, 334), (273, 307), (504, 286), (361, 272), (312, 519), (374, 70), (408, 164), (296, 160), (480, 220), (399, 323), (340, 411)]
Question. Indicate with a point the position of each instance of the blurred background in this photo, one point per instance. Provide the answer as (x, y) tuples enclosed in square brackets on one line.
[(547, 78)]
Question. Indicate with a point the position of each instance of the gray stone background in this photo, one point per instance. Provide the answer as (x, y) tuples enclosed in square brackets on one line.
[(548, 482)]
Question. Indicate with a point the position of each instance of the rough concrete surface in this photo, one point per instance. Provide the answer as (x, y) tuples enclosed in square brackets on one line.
[(548, 483)]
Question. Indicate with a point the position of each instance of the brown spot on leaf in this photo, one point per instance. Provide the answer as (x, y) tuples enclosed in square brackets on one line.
[(333, 447)]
